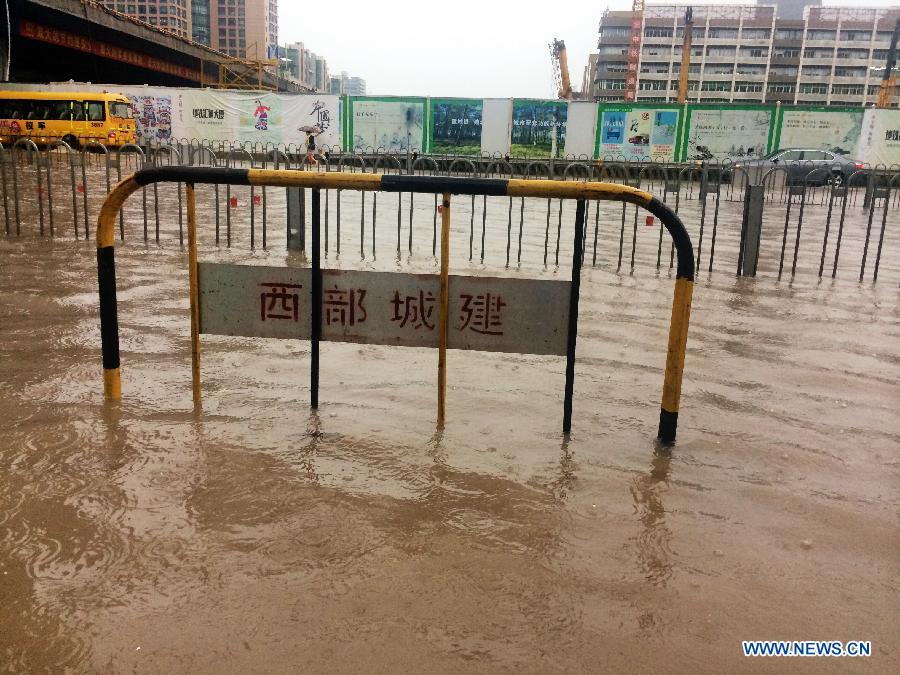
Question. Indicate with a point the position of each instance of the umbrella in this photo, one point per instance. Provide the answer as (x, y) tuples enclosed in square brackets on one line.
[(310, 129)]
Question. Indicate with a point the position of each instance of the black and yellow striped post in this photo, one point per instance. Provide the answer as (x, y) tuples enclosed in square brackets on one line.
[(547, 189)]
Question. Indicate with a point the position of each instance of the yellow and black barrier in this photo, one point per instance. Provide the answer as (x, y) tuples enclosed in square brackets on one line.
[(446, 186)]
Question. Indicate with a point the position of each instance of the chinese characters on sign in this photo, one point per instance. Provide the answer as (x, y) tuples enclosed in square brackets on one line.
[(486, 314), (35, 31), (344, 308), (481, 313), (634, 53), (208, 114), (277, 303), (417, 310)]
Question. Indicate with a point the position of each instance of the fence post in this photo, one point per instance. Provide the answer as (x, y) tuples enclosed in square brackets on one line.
[(296, 219), (577, 257), (444, 322), (751, 230), (316, 300)]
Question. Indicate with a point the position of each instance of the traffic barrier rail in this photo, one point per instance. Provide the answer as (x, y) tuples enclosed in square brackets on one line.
[(444, 186)]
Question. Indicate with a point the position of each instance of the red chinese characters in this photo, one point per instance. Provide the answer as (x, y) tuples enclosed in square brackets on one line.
[(279, 301), (417, 310), (482, 313), (344, 308)]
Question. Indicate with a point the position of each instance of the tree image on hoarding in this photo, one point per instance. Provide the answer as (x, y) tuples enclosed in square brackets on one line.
[(538, 128), (456, 127)]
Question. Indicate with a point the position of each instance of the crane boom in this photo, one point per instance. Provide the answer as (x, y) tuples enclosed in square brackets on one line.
[(888, 82), (561, 69), (686, 55)]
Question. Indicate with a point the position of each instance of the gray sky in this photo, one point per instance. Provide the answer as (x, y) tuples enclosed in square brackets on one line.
[(476, 48)]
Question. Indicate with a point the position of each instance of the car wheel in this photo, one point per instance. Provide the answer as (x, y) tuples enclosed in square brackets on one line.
[(71, 141), (836, 180)]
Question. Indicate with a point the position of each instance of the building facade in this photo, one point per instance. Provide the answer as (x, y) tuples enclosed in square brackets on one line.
[(244, 28), (304, 67), (748, 54), (345, 84), (239, 28), (173, 16)]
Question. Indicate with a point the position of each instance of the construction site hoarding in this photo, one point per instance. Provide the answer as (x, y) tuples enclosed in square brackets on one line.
[(259, 118), (455, 127), (716, 134), (879, 141), (387, 124), (821, 128), (538, 128), (581, 129), (638, 133)]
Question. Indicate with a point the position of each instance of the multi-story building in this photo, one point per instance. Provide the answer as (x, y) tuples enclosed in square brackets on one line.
[(345, 84), (244, 28), (200, 28), (794, 52), (239, 28), (304, 66), (173, 16)]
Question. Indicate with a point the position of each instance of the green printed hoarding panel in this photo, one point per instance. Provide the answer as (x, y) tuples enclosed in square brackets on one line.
[(638, 133), (386, 123), (830, 129), (715, 134), (538, 128), (455, 126)]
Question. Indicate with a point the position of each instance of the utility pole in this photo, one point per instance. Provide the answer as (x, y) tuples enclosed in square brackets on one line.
[(686, 55), (886, 94)]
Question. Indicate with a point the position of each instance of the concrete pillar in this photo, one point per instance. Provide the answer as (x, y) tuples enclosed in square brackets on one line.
[(296, 219), (751, 230)]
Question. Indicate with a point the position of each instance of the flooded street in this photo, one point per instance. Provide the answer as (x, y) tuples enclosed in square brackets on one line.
[(254, 535)]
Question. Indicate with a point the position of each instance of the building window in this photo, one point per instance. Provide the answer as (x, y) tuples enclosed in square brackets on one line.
[(716, 85), (723, 33), (814, 88), (780, 89), (856, 35), (821, 35), (755, 34), (788, 33), (748, 86), (658, 32), (847, 89)]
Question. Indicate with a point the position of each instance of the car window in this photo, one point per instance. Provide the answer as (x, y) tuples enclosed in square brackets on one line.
[(95, 111), (814, 155), (790, 155), (829, 156)]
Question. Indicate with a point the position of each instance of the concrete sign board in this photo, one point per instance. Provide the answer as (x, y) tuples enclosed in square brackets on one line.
[(385, 308)]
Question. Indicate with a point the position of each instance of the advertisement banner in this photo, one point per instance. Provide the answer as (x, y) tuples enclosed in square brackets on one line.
[(259, 118), (152, 110), (495, 125), (456, 126), (879, 143), (730, 133), (834, 130), (387, 124), (581, 129), (627, 133), (538, 128)]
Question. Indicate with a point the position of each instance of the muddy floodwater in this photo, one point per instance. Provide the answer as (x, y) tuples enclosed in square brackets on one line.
[(253, 535)]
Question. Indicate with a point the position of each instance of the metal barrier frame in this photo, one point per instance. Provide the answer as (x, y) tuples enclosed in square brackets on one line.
[(445, 186)]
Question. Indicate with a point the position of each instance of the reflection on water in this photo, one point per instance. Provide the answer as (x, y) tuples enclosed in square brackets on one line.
[(654, 539), (254, 535)]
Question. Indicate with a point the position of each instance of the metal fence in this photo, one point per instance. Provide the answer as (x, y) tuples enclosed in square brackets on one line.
[(814, 224)]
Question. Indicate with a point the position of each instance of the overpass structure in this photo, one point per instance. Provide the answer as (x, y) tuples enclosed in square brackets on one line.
[(56, 40)]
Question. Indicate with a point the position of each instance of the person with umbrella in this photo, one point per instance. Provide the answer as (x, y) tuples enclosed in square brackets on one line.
[(311, 133)]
